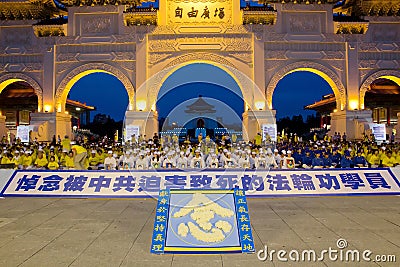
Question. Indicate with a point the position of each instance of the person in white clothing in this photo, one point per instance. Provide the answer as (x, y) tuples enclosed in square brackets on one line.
[(142, 163), (270, 160), (182, 161), (288, 161), (244, 161), (110, 162), (229, 161), (128, 161), (169, 162), (213, 161), (156, 161), (197, 161), (277, 157)]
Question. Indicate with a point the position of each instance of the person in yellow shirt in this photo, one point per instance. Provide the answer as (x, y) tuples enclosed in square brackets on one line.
[(258, 140), (374, 159), (52, 165), (52, 154), (80, 155), (69, 161), (64, 153), (200, 137), (389, 160), (101, 155), (66, 143), (94, 160), (17, 159), (7, 158), (41, 161), (27, 160), (382, 152)]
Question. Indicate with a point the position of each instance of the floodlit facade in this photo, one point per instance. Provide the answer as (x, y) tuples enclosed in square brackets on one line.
[(142, 47)]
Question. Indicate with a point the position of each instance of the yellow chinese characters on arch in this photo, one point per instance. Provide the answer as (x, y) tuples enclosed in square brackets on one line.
[(197, 12)]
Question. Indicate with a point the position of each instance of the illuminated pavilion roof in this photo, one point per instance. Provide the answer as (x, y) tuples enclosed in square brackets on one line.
[(355, 7), (27, 9), (200, 106), (45, 9)]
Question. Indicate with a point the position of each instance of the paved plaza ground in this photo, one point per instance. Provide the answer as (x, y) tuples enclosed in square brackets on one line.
[(117, 232)]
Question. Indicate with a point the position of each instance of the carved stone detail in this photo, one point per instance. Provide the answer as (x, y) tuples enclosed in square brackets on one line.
[(339, 65), (365, 86), (304, 23), (66, 57), (334, 54), (62, 67), (130, 66), (367, 64), (228, 42), (339, 90), (31, 81), (275, 54), (93, 24), (33, 66), (155, 58), (273, 64), (245, 57), (201, 55), (95, 66)]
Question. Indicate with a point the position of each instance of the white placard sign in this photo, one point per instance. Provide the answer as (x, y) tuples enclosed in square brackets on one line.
[(379, 131), (269, 129), (131, 130), (23, 133)]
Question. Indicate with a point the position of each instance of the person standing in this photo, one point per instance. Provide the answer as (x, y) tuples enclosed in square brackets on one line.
[(66, 143), (80, 154)]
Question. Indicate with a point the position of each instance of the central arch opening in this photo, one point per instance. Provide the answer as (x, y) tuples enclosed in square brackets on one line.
[(200, 99)]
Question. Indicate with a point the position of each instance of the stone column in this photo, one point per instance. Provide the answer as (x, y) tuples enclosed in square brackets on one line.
[(253, 120), (351, 122), (47, 124), (3, 129), (146, 120), (397, 127)]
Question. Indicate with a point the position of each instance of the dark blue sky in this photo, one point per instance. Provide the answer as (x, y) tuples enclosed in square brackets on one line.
[(108, 95)]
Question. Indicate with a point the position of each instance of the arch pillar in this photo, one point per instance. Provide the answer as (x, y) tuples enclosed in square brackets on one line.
[(397, 127), (253, 121), (3, 129), (47, 124), (352, 122), (146, 120)]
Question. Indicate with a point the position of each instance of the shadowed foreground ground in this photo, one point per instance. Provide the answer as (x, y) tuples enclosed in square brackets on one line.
[(109, 232)]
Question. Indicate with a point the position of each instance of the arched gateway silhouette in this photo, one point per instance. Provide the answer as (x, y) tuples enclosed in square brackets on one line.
[(142, 47)]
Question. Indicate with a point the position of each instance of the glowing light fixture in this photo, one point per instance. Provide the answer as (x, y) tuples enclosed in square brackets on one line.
[(47, 108), (353, 104), (260, 105), (141, 105)]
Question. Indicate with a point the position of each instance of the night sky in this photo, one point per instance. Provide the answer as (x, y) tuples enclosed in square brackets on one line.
[(108, 95)]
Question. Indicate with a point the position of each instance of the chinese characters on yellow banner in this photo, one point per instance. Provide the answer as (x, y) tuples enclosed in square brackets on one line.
[(217, 11)]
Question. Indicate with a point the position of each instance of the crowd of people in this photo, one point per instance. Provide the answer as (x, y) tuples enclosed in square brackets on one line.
[(167, 152)]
